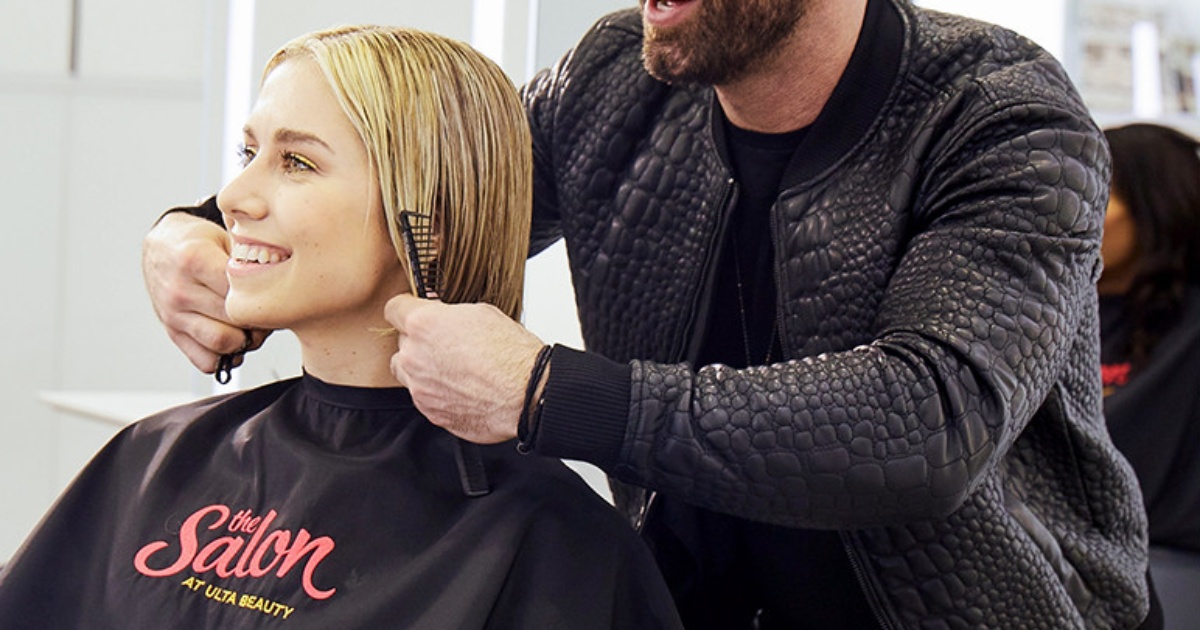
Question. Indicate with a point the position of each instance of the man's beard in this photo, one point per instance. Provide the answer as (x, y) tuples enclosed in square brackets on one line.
[(723, 42)]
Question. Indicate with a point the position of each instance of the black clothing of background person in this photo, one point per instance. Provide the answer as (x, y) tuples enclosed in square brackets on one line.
[(1154, 418)]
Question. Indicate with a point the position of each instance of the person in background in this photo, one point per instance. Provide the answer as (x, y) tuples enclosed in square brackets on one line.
[(327, 501), (834, 263), (1150, 331)]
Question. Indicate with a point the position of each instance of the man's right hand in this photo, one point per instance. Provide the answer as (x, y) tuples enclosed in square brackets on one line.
[(183, 264)]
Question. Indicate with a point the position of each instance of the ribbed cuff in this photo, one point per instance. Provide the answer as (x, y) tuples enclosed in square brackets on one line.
[(585, 408)]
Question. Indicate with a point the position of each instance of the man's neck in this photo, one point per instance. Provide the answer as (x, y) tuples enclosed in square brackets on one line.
[(790, 90)]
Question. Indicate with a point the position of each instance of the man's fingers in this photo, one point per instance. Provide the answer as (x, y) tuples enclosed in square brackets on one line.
[(195, 300), (400, 310), (178, 248), (398, 370), (206, 266), (214, 339), (204, 359), (215, 336)]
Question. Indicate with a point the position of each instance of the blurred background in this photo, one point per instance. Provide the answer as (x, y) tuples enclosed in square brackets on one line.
[(112, 111)]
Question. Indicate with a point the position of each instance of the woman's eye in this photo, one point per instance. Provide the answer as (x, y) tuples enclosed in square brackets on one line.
[(245, 154), (293, 163)]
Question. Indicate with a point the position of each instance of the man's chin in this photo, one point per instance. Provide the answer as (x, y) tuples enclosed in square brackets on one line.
[(676, 70), (664, 62)]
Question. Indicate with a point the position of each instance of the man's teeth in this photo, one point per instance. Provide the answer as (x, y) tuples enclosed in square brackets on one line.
[(256, 253)]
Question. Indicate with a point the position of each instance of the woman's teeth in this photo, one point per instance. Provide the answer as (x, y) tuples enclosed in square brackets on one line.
[(256, 254)]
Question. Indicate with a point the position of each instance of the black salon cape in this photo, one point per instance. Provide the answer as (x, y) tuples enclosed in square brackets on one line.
[(301, 505)]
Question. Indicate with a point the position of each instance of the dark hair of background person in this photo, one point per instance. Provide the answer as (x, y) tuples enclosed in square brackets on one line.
[(1156, 172)]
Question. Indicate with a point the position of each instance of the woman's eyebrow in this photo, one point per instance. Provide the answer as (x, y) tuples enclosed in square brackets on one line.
[(293, 136)]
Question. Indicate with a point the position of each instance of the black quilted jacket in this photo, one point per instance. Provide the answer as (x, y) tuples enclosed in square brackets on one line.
[(936, 264)]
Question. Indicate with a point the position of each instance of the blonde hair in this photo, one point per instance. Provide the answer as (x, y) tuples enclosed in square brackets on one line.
[(447, 136)]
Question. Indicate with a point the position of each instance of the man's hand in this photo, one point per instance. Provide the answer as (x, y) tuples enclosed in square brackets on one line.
[(466, 365), (183, 264)]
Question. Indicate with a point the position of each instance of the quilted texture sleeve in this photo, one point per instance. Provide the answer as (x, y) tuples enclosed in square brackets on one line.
[(544, 106)]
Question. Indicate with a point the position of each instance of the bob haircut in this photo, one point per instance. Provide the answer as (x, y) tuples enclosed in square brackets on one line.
[(446, 133)]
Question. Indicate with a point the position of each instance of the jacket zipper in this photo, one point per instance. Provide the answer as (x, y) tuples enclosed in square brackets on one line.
[(686, 338), (776, 274), (644, 512), (873, 598), (689, 337)]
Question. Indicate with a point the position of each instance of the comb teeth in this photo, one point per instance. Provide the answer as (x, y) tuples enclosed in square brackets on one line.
[(416, 229)]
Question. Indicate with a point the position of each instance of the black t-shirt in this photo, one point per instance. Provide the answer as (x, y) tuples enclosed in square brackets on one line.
[(742, 329), (308, 505), (1154, 418)]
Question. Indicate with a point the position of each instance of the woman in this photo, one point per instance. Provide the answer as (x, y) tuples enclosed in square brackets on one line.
[(1150, 331), (327, 501)]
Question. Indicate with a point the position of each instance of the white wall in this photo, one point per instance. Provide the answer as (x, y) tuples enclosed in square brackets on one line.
[(1061, 27), (91, 153), (29, 262), (1043, 21)]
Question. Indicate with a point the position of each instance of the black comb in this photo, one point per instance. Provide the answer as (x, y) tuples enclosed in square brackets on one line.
[(417, 232)]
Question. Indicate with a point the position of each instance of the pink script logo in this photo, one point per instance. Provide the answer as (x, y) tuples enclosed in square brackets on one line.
[(235, 556)]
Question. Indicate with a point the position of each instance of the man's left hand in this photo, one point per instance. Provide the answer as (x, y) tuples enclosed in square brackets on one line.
[(466, 365)]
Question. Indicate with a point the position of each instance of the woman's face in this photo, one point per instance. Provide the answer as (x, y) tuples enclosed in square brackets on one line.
[(309, 248), (1119, 248)]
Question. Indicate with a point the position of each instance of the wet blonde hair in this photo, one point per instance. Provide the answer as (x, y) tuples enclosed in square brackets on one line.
[(447, 136)]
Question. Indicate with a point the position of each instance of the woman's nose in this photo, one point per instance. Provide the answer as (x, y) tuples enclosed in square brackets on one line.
[(243, 196)]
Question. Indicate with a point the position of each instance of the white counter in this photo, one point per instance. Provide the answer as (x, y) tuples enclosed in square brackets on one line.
[(114, 408)]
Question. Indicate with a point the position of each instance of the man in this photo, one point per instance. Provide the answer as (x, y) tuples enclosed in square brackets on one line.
[(834, 263)]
